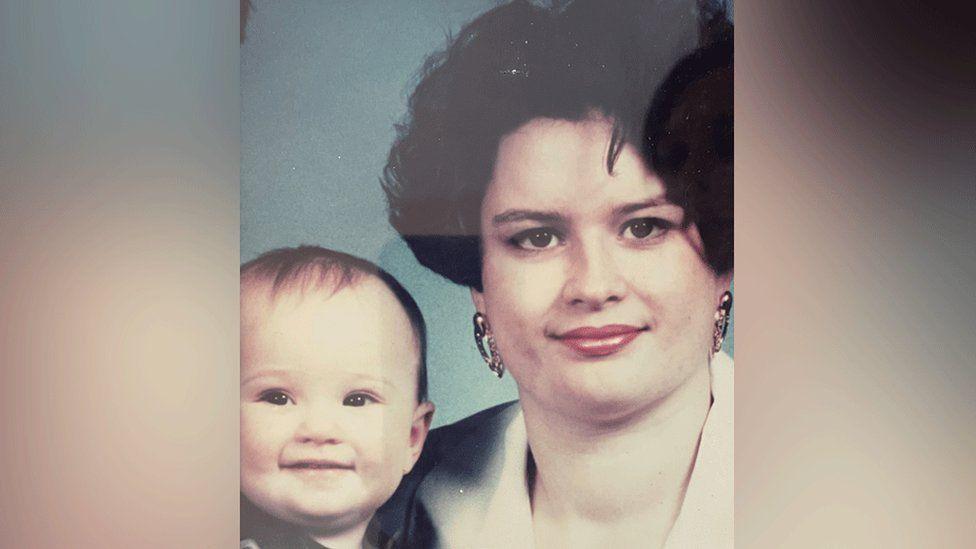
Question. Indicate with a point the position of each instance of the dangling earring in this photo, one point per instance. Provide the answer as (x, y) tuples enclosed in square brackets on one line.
[(482, 332), (721, 321)]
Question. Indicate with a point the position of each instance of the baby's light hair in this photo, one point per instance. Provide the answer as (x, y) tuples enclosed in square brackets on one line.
[(312, 268)]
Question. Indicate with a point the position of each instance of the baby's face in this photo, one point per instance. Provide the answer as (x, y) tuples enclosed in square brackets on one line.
[(329, 414)]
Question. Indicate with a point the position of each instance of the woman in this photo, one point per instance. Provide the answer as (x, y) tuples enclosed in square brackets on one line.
[(594, 228)]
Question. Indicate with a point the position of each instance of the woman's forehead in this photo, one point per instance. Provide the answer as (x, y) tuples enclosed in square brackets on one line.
[(563, 164)]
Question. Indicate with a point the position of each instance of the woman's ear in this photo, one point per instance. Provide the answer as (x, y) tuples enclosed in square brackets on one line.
[(723, 284), (479, 300), (422, 416)]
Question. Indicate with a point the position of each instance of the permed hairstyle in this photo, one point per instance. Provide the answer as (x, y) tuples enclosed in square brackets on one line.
[(689, 139), (520, 61), (311, 268)]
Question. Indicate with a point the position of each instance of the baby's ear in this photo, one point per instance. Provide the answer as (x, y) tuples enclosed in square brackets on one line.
[(422, 415)]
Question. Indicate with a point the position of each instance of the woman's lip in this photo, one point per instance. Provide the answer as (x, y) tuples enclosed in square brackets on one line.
[(602, 332), (602, 341)]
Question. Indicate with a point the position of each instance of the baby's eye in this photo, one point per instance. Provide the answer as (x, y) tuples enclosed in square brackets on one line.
[(278, 398), (536, 239), (358, 399), (644, 228)]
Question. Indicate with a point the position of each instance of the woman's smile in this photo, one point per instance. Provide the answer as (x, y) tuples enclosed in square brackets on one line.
[(590, 341)]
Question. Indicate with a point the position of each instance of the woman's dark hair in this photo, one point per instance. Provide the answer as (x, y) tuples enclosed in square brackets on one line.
[(689, 139), (515, 63)]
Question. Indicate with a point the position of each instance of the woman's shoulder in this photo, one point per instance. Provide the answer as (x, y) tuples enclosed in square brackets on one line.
[(464, 440), (445, 440), (462, 443)]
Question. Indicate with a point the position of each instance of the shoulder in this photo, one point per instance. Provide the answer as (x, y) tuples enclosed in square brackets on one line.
[(260, 530), (463, 443), (445, 441)]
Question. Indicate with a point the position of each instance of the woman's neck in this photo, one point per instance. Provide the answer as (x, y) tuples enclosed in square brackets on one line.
[(602, 483)]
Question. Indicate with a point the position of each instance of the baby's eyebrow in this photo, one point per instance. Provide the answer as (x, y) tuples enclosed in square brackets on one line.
[(360, 378), (283, 374)]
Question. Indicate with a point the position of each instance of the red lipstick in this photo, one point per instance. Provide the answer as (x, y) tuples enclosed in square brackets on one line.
[(605, 340)]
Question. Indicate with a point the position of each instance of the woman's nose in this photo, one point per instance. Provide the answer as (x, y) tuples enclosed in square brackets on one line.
[(319, 425), (593, 281)]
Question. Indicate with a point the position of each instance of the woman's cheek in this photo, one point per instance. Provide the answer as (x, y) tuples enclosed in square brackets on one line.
[(518, 303), (686, 303), (525, 285)]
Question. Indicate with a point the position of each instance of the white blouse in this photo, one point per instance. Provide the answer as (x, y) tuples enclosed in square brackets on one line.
[(491, 507)]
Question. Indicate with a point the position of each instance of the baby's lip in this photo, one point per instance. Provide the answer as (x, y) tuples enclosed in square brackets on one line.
[(312, 464)]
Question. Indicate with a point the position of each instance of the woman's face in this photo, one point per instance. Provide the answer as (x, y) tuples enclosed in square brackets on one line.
[(598, 296)]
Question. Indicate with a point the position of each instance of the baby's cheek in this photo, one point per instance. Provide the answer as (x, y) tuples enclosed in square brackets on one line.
[(262, 435), (249, 432), (367, 428), (376, 463)]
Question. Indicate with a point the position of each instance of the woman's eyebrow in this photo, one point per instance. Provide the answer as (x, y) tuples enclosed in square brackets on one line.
[(636, 206), (511, 216)]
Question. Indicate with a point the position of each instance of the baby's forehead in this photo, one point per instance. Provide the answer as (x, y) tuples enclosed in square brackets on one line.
[(262, 297), (360, 326)]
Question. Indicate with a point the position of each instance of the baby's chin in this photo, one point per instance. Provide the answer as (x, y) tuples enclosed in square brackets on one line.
[(327, 518)]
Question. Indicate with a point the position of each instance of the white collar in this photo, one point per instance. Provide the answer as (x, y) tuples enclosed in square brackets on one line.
[(480, 497), (706, 517)]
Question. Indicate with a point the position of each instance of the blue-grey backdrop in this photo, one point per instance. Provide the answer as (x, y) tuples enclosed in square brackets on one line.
[(322, 84)]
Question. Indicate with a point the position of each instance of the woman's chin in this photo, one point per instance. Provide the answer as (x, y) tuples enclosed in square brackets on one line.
[(598, 394)]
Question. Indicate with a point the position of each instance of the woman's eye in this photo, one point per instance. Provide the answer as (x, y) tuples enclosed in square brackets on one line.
[(536, 239), (357, 399), (643, 228), (277, 398)]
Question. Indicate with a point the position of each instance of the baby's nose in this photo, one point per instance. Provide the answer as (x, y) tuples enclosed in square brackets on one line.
[(319, 426)]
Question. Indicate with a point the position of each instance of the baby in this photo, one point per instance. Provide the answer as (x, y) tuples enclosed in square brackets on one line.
[(334, 408)]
